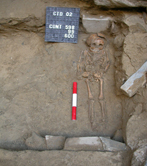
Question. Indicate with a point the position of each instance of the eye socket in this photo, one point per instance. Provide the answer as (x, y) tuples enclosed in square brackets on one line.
[(93, 44)]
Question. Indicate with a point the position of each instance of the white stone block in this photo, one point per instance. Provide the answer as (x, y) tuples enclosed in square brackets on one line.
[(136, 81), (111, 145), (96, 23), (83, 143), (93, 144)]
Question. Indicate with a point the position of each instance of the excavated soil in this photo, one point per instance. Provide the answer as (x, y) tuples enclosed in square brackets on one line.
[(36, 79)]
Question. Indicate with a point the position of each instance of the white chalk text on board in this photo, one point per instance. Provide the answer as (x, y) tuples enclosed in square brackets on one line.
[(70, 28), (69, 14)]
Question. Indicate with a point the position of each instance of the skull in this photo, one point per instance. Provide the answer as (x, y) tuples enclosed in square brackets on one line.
[(96, 42)]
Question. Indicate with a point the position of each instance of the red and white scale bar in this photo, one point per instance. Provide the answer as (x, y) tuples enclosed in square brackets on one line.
[(74, 101)]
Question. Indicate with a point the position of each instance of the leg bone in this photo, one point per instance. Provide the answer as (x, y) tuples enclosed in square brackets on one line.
[(90, 103), (103, 110), (89, 91), (90, 110), (101, 94)]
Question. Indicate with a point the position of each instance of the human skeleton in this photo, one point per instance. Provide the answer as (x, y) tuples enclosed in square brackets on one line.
[(92, 65)]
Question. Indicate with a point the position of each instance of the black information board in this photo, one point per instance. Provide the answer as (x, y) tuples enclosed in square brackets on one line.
[(62, 24)]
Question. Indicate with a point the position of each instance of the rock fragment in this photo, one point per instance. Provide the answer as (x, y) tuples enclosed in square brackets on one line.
[(36, 142), (139, 156), (138, 109), (96, 23), (134, 52), (137, 80), (54, 142), (142, 143), (120, 3), (93, 144), (135, 21), (111, 145), (136, 132), (118, 136), (83, 143), (145, 163)]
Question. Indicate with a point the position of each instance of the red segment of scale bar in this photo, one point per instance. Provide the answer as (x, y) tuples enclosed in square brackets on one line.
[(74, 87), (74, 113)]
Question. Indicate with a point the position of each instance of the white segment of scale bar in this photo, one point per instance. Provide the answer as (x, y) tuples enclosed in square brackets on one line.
[(74, 100)]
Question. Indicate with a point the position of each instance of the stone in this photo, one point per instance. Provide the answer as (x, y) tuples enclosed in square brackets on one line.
[(83, 143), (145, 163), (136, 132), (139, 156), (119, 40), (142, 143), (136, 81), (58, 158), (36, 142), (134, 52), (54, 142), (11, 143), (118, 135), (120, 3), (135, 21), (138, 109), (93, 143), (111, 145), (96, 23)]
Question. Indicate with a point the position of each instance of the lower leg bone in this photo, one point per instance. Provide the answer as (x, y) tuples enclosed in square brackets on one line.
[(101, 95), (102, 103), (90, 103), (90, 110)]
